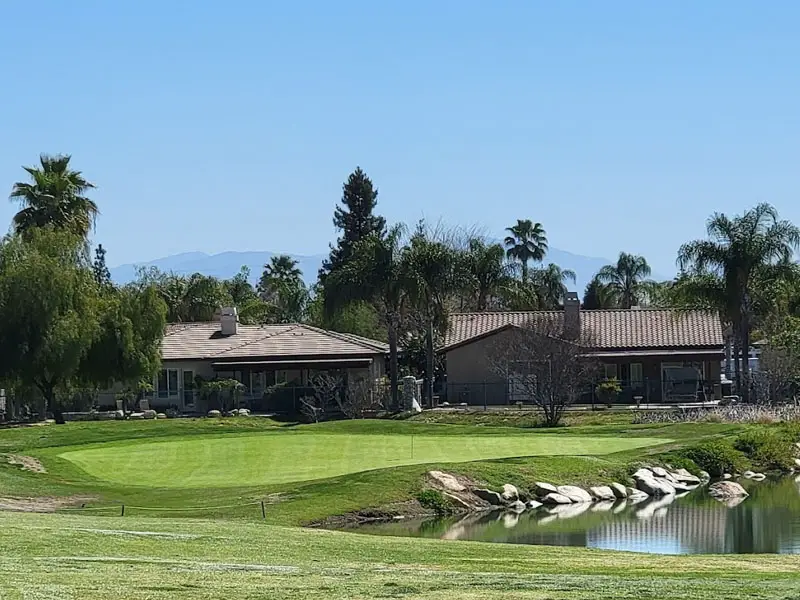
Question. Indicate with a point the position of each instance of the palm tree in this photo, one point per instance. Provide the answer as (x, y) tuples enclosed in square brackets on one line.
[(597, 296), (488, 272), (740, 252), (551, 285), (54, 196), (527, 242), (627, 281), (374, 273)]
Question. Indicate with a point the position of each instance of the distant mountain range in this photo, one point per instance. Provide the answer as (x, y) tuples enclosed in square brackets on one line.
[(227, 264)]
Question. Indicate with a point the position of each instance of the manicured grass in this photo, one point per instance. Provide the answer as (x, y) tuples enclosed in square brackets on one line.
[(266, 459), (66, 556)]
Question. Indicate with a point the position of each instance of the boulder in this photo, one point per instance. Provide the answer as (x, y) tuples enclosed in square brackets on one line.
[(758, 477), (244, 412), (727, 489), (542, 489), (137, 416), (149, 414), (489, 496), (619, 490), (509, 493), (161, 416), (705, 476), (748, 474), (602, 493), (660, 471), (556, 498), (214, 413), (457, 502), (683, 476), (447, 481), (655, 487), (517, 507), (726, 476), (533, 504), (574, 493), (120, 414), (643, 473)]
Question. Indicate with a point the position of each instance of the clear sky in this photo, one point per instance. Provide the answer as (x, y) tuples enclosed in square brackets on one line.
[(231, 125)]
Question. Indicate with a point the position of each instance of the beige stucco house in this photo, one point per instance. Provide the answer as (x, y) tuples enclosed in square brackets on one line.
[(657, 354), (261, 357)]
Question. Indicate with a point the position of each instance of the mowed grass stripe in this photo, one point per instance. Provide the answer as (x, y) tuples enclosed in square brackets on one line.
[(244, 460)]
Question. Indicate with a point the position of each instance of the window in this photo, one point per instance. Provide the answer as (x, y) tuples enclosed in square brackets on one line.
[(256, 383), (610, 371), (167, 383), (637, 376), (188, 388)]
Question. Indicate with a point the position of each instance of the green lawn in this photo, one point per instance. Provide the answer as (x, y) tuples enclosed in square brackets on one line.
[(270, 458), (75, 557)]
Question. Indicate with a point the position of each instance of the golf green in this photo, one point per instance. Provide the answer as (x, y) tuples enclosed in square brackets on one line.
[(260, 459)]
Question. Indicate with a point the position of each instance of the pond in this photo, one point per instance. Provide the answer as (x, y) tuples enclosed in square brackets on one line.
[(768, 521)]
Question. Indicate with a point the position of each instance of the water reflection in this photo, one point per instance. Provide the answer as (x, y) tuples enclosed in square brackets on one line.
[(766, 522)]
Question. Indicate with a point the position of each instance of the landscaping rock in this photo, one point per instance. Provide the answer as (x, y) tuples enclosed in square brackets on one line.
[(556, 498), (727, 489), (517, 507), (149, 414), (705, 476), (748, 474), (643, 473), (244, 412), (683, 476), (120, 414), (447, 481), (214, 414), (758, 477), (681, 487), (509, 493), (457, 502), (659, 471), (619, 490), (726, 476), (542, 489), (655, 487), (489, 496), (574, 493), (136, 416), (533, 504), (602, 493), (161, 416)]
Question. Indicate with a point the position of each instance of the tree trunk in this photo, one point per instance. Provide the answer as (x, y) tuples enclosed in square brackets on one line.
[(746, 362), (524, 271), (51, 403), (395, 393), (430, 358), (737, 365)]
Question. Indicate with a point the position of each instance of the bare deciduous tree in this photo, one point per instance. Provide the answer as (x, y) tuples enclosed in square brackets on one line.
[(543, 366)]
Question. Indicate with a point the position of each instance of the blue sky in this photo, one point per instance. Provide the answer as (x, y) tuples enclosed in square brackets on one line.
[(231, 125)]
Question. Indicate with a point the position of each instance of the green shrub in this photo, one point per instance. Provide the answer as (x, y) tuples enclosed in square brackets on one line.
[(678, 461), (767, 449), (435, 501), (716, 458)]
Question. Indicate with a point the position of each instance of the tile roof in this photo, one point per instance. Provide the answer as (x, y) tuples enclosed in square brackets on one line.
[(183, 341), (608, 329)]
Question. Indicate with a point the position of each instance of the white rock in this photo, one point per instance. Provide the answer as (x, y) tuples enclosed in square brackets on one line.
[(683, 476), (758, 477), (727, 476), (517, 506), (542, 489), (533, 504), (574, 493), (447, 481), (161, 416), (602, 492), (619, 490), (748, 474), (655, 487), (659, 471), (137, 416), (489, 496), (727, 489), (705, 476), (214, 413), (509, 493), (643, 473), (120, 414), (555, 498), (457, 502)]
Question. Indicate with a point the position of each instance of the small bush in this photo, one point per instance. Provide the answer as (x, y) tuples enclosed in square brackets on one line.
[(434, 500), (767, 449), (716, 458)]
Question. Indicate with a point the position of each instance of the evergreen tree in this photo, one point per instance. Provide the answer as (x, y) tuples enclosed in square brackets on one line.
[(101, 273), (354, 218)]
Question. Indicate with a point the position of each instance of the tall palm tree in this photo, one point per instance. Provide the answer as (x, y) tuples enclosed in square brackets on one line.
[(55, 196), (627, 280), (374, 273), (740, 252), (550, 283), (527, 241), (488, 273), (597, 296)]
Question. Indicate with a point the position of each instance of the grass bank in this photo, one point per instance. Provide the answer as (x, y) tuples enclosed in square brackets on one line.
[(64, 556)]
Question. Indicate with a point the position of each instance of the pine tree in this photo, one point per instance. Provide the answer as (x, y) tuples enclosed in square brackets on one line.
[(101, 273), (354, 218)]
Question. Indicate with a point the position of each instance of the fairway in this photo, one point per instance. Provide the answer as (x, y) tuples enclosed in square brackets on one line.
[(259, 459)]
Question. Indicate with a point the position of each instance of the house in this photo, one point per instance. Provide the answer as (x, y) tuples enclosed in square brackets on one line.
[(657, 354), (262, 357)]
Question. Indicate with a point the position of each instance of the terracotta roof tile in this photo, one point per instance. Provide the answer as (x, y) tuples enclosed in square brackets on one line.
[(184, 341), (608, 329)]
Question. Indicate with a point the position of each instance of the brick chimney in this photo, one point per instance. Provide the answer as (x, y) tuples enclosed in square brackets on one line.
[(572, 316)]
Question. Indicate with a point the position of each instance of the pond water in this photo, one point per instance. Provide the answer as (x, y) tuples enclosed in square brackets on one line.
[(768, 521)]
